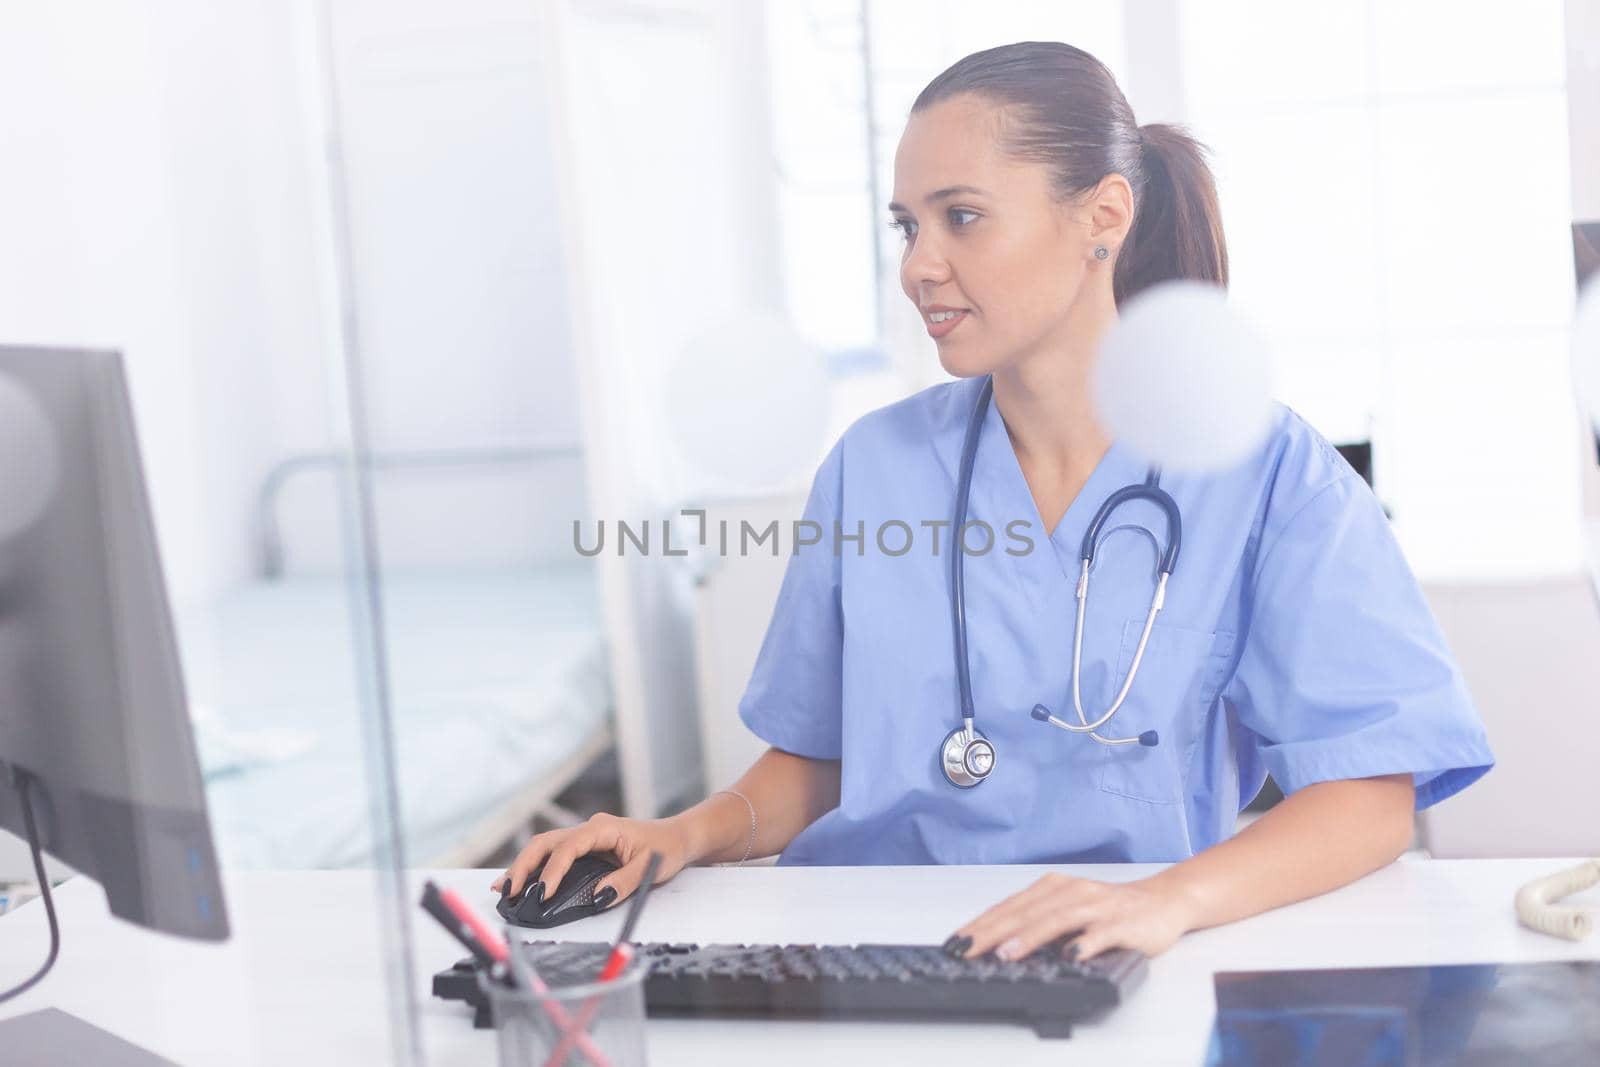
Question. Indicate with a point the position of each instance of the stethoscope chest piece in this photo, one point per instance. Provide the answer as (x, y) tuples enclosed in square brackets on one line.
[(967, 756)]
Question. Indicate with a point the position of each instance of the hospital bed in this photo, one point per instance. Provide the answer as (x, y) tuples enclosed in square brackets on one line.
[(499, 693)]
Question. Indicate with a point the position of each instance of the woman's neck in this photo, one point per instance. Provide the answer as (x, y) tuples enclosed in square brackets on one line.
[(1047, 402)]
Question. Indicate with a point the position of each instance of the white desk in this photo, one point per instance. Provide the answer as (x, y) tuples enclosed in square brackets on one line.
[(300, 981)]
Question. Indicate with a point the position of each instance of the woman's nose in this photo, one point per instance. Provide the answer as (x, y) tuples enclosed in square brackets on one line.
[(925, 266)]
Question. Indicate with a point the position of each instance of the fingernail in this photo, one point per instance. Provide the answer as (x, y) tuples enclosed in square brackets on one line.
[(957, 946), (1010, 950), (603, 899)]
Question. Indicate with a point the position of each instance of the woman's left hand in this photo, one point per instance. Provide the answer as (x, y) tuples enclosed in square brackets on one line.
[(1142, 915)]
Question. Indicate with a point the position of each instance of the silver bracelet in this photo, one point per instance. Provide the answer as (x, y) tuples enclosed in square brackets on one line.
[(752, 842)]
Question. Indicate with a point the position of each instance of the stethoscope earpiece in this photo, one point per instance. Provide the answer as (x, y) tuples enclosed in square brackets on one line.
[(966, 755)]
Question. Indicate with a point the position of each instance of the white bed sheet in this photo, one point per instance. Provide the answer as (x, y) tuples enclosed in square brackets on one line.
[(496, 679)]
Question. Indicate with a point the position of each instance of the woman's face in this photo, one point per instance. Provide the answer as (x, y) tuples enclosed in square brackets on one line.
[(984, 233)]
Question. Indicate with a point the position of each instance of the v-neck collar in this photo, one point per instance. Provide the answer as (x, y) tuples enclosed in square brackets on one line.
[(1000, 492)]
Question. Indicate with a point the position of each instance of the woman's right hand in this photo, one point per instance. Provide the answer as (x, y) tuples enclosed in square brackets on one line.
[(631, 840)]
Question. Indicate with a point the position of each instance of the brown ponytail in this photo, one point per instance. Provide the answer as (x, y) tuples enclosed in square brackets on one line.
[(1071, 117), (1177, 225)]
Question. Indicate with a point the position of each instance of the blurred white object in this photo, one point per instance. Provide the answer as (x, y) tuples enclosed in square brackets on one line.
[(746, 404), (29, 465), (1183, 380), (1586, 352)]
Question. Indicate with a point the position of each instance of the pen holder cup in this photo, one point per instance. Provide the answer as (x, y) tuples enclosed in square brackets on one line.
[(555, 1023)]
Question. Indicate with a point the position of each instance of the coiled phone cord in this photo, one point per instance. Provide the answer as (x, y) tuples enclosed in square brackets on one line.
[(1538, 910)]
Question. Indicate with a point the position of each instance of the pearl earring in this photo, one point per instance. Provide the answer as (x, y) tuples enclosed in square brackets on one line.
[(1100, 252)]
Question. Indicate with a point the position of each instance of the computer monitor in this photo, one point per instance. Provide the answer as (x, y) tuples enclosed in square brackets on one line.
[(1586, 257), (92, 704)]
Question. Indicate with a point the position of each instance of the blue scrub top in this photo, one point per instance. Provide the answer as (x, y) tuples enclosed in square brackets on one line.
[(1294, 640)]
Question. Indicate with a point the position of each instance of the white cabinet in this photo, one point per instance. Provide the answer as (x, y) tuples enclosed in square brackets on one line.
[(733, 599)]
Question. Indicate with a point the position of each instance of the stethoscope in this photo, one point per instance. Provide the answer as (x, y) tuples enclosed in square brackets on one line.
[(967, 756)]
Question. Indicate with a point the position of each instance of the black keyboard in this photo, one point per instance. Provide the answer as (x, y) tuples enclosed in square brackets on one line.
[(1048, 990)]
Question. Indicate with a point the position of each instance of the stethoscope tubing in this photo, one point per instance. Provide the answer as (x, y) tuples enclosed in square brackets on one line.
[(1151, 490), (958, 595)]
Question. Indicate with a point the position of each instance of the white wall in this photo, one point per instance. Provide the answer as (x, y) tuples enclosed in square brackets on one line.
[(455, 226), (1583, 95), (459, 290), (154, 200), (1394, 183), (158, 198), (1583, 126)]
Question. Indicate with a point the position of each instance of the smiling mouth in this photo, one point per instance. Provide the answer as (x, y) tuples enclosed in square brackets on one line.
[(944, 325)]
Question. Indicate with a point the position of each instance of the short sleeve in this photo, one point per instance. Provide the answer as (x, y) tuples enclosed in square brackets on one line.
[(795, 697), (1343, 671)]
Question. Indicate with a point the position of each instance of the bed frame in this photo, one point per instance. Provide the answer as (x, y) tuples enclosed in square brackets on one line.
[(513, 820)]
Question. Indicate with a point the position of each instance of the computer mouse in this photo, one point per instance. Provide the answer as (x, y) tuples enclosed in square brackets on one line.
[(572, 899)]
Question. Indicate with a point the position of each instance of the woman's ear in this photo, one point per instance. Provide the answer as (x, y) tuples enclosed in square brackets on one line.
[(1110, 210)]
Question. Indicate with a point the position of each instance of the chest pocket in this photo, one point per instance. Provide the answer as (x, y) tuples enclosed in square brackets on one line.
[(1178, 680)]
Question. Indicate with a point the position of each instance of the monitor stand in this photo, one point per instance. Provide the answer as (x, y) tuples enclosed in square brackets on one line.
[(51, 1036)]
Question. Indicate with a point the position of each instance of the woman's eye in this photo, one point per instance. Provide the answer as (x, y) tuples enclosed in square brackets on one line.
[(907, 228)]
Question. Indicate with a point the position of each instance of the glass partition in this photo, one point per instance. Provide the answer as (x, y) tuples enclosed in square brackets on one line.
[(498, 712), (167, 199)]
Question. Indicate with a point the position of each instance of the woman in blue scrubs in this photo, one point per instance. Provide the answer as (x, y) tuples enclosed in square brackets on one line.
[(1294, 639)]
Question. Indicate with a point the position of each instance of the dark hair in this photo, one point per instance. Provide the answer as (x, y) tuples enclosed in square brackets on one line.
[(1064, 110)]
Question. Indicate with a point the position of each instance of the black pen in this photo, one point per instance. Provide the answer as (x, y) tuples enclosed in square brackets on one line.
[(622, 948)]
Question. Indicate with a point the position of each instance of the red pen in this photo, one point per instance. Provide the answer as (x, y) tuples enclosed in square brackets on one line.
[(620, 955)]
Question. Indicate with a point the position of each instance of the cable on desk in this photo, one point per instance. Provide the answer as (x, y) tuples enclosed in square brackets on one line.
[(1537, 909), (23, 780)]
